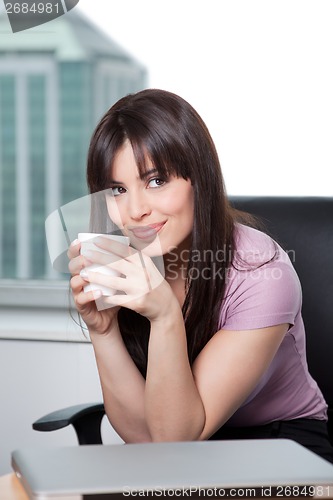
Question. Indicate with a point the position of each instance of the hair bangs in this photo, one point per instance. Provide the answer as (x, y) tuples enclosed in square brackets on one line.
[(152, 153)]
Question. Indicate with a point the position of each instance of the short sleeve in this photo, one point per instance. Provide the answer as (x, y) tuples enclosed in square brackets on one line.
[(267, 295)]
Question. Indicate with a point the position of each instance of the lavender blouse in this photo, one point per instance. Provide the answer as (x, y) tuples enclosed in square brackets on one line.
[(263, 290)]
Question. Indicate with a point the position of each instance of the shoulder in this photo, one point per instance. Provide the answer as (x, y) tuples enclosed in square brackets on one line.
[(253, 246), (262, 287)]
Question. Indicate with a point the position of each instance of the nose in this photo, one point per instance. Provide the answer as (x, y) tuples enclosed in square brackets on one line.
[(138, 206)]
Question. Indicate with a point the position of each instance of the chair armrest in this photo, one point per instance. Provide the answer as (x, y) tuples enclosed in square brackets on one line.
[(85, 418)]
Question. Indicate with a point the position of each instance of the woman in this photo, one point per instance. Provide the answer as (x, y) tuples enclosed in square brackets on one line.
[(214, 349)]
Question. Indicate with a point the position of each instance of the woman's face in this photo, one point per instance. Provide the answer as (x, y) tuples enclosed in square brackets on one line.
[(155, 213)]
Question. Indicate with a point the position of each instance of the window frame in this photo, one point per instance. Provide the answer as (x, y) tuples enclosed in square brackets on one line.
[(39, 310)]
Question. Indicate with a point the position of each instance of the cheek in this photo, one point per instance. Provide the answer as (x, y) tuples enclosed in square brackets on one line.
[(167, 205), (186, 206), (114, 212), (178, 203)]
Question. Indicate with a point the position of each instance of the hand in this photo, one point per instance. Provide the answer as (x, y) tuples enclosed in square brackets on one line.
[(99, 321), (143, 288)]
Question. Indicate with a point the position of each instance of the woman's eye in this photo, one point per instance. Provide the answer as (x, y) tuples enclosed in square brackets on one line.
[(156, 182), (117, 190)]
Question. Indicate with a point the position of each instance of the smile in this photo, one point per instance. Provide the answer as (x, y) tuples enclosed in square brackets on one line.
[(147, 232)]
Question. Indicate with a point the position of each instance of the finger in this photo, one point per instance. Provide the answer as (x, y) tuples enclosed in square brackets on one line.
[(130, 266), (113, 246), (138, 268), (77, 283), (74, 249), (113, 282), (77, 263), (102, 258), (127, 301), (84, 298), (153, 274)]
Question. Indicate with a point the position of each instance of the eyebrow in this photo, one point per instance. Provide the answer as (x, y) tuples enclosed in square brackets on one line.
[(143, 176)]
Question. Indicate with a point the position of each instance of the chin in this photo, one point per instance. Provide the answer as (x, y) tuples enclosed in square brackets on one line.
[(152, 247)]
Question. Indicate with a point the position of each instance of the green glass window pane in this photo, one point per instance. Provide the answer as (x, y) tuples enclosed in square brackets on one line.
[(37, 162), (8, 176)]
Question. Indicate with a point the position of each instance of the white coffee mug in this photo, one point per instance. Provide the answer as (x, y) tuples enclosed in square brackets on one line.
[(87, 244)]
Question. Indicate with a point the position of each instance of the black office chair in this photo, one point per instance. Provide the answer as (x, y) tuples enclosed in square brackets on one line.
[(303, 227)]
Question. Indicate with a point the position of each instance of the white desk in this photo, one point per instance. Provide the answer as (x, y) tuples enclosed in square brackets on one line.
[(238, 469)]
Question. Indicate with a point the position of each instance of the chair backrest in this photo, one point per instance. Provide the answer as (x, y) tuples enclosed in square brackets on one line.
[(304, 227)]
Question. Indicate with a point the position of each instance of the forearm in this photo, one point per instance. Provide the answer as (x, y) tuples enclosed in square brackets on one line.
[(123, 387), (173, 407)]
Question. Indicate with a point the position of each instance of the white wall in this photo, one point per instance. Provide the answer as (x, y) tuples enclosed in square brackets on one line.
[(37, 377), (259, 72)]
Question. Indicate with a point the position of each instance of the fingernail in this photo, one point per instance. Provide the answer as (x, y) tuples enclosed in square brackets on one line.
[(75, 242), (84, 274)]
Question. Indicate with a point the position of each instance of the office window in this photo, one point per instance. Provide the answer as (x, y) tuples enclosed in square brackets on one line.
[(75, 128), (8, 214), (49, 106), (37, 163)]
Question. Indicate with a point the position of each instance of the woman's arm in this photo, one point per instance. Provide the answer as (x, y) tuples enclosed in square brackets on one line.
[(173, 405), (182, 404), (122, 383), (123, 387), (176, 403), (229, 368)]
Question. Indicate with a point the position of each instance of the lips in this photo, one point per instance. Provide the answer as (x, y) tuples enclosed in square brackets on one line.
[(147, 232)]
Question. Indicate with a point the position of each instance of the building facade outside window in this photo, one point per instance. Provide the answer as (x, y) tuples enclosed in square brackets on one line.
[(55, 84)]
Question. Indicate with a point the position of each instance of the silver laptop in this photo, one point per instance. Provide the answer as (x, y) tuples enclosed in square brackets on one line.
[(215, 469)]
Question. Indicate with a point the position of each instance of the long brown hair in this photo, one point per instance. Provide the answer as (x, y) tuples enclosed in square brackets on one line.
[(166, 128)]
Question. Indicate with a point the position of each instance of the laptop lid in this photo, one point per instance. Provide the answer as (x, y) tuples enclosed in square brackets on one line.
[(100, 471)]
